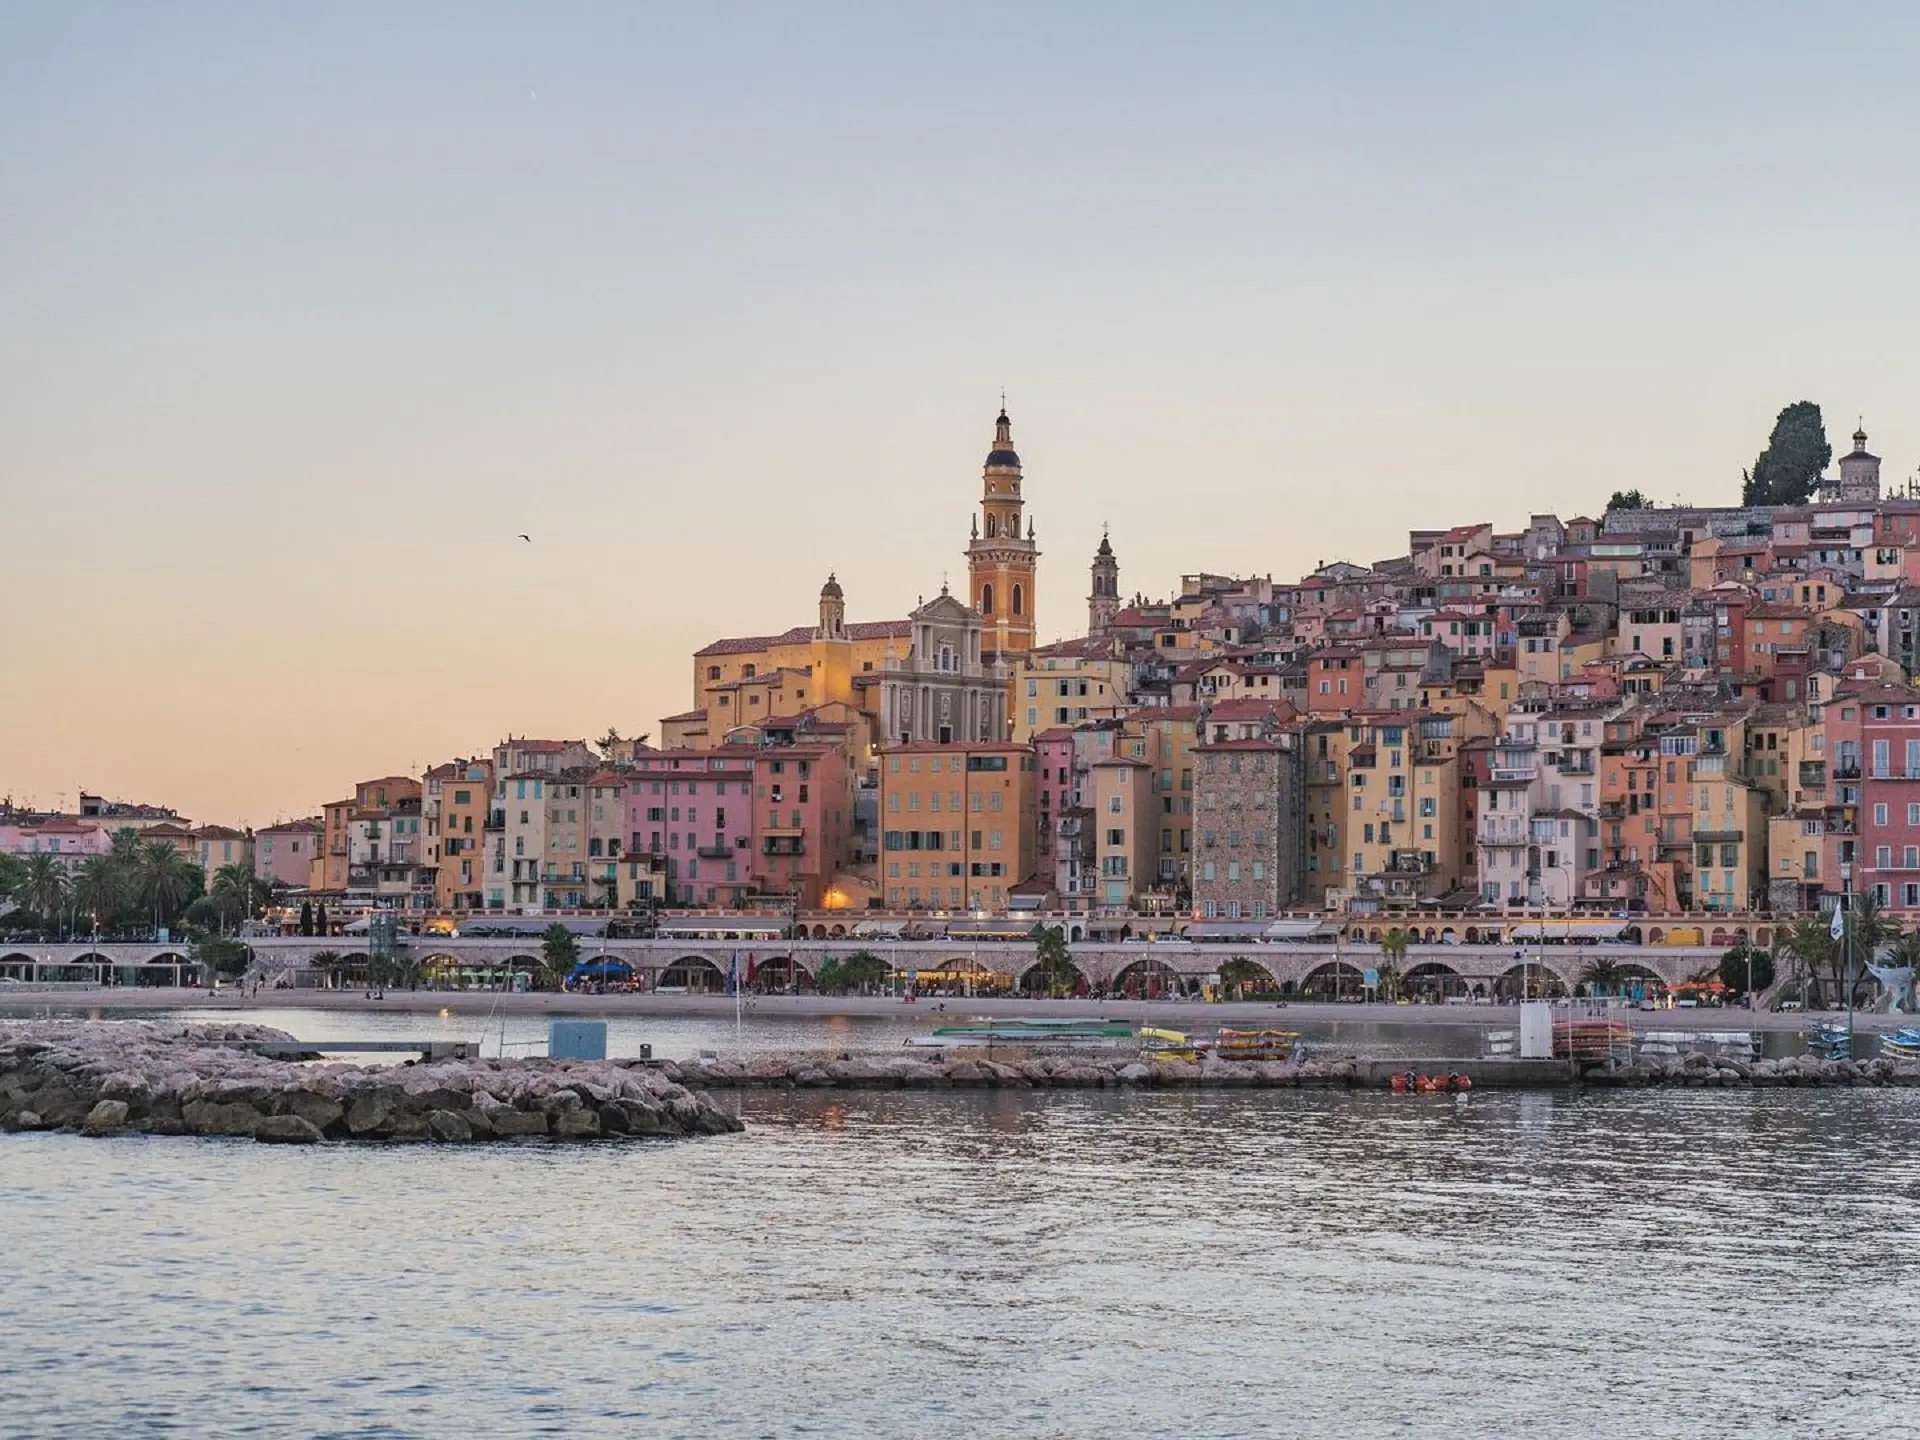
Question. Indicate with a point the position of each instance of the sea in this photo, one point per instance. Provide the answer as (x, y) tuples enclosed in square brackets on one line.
[(1295, 1263)]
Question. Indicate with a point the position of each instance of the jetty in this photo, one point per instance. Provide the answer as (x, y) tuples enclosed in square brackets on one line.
[(132, 1076)]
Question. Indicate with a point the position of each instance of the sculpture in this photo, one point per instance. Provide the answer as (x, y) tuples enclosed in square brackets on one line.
[(1896, 981)]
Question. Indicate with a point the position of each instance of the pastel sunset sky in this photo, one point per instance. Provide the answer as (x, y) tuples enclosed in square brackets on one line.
[(307, 312)]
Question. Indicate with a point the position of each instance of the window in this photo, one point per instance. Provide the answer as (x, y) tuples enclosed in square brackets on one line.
[(1880, 814)]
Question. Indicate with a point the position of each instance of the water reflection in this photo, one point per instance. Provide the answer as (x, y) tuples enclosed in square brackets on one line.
[(1075, 1263)]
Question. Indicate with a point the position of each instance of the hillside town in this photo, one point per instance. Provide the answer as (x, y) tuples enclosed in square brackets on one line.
[(1664, 710)]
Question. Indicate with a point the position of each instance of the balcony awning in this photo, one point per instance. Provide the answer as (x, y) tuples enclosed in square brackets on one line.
[(1569, 929), (1228, 930), (991, 929)]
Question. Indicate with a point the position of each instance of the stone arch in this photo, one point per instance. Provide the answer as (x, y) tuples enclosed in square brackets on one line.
[(1076, 933), (1432, 979), (1533, 980), (1334, 979), (1655, 935), (1030, 979), (16, 965), (1473, 935), (696, 974), (1448, 935), (1147, 978), (1722, 938), (778, 973), (1635, 935)]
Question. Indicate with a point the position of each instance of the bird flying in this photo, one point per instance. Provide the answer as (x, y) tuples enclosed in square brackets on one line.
[(527, 538)]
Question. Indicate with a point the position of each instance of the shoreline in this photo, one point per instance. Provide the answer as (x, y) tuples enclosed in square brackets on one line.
[(1182, 1015)]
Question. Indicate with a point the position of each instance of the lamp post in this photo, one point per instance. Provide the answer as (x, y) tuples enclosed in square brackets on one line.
[(1846, 946)]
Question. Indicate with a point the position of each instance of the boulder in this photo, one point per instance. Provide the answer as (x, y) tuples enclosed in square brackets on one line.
[(966, 1072), (209, 1117), (449, 1126), (322, 1112), (576, 1124), (1133, 1074), (510, 1123), (370, 1114), (285, 1129), (106, 1117)]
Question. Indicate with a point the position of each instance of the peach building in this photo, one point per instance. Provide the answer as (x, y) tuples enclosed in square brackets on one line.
[(956, 824)]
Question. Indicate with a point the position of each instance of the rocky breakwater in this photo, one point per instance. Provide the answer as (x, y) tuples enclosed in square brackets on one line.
[(1057, 1072), (130, 1076), (1702, 1071)]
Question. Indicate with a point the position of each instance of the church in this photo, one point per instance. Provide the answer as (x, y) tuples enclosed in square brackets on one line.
[(939, 676)]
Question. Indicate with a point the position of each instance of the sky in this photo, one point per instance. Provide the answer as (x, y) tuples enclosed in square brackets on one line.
[(307, 312)]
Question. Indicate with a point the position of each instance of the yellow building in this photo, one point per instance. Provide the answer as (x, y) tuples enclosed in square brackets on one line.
[(1326, 795), (1126, 826), (1729, 831), (750, 678), (957, 824), (453, 806), (1067, 684)]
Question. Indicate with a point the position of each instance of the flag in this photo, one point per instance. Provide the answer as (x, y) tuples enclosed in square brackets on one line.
[(1839, 926)]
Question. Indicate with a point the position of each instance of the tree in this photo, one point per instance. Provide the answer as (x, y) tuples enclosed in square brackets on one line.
[(607, 741), (100, 889), (13, 872), (329, 963), (1811, 944), (320, 920), (1746, 969), (1868, 928), (863, 970), (235, 892), (1241, 975), (559, 951), (222, 956), (1626, 500), (163, 880), (42, 889), (1055, 962), (306, 917), (1787, 471), (1604, 976)]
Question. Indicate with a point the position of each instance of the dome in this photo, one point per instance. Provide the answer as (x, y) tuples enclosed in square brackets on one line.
[(831, 590), (1002, 460)]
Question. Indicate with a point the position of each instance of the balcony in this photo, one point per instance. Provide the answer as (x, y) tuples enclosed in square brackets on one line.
[(1718, 837), (1846, 770), (1613, 810), (715, 852), (790, 842)]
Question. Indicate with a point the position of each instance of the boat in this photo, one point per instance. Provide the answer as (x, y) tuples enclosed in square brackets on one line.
[(1591, 1039), (1903, 1044), (1097, 1034), (1830, 1041), (1409, 1082), (1253, 1044), (1167, 1045)]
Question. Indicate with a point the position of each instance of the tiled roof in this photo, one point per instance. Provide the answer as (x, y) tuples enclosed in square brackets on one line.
[(801, 634)]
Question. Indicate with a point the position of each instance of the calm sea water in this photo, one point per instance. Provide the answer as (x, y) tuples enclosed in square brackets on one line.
[(773, 1031), (1073, 1264)]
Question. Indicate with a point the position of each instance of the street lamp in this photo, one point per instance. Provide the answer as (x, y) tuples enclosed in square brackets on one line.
[(1846, 945)]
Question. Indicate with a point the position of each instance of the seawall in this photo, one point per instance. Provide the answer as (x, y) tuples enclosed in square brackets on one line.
[(1067, 1072)]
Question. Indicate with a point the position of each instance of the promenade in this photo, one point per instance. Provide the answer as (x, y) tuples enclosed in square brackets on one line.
[(1182, 1015)]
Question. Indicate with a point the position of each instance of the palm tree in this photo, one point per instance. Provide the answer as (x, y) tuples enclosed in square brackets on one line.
[(100, 888), (1241, 975), (1811, 944), (235, 890), (42, 888), (1604, 976), (1868, 928), (126, 847), (163, 880), (1056, 964), (559, 952)]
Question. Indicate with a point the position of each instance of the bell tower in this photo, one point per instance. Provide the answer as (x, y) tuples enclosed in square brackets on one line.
[(1000, 559), (1103, 603)]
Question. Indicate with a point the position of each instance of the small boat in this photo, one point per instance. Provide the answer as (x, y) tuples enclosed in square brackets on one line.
[(1829, 1040), (1903, 1044), (1591, 1039), (1167, 1045), (1409, 1082), (1253, 1044), (1032, 1033)]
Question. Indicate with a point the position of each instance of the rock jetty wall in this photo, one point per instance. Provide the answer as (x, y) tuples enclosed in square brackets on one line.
[(113, 1077), (1086, 1072)]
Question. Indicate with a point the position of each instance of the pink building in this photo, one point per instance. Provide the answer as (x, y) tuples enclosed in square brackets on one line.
[(694, 808), (62, 835), (1053, 758), (1873, 744), (283, 854)]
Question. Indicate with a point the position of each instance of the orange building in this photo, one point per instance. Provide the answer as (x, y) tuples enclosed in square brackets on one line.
[(956, 825)]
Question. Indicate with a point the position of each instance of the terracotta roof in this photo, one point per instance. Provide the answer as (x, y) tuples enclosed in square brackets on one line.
[(684, 717), (801, 634), (219, 832)]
